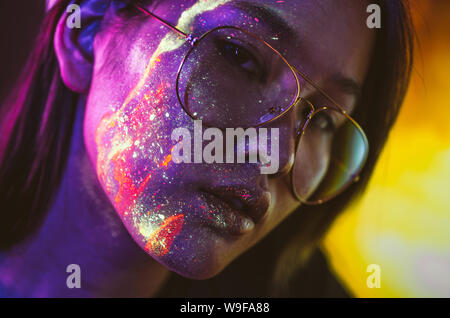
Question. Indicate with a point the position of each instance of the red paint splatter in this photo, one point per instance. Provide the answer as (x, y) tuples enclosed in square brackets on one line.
[(161, 240), (166, 161), (109, 133), (127, 192)]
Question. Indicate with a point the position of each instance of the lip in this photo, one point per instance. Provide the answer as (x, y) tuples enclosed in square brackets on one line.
[(251, 204), (224, 218)]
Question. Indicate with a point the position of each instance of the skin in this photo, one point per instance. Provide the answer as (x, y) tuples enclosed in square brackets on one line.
[(122, 194)]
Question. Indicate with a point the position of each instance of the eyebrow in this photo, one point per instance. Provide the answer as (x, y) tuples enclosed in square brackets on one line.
[(346, 84), (271, 17), (267, 16)]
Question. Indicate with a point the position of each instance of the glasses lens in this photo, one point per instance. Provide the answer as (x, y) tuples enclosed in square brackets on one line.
[(233, 79), (330, 154)]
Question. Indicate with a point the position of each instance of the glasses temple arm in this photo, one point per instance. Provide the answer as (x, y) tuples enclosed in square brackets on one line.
[(310, 82), (145, 11)]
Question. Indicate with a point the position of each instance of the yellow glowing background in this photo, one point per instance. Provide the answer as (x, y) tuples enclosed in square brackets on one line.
[(403, 222)]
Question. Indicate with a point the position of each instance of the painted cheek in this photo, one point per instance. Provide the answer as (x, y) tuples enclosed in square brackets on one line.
[(160, 241), (129, 150), (134, 148)]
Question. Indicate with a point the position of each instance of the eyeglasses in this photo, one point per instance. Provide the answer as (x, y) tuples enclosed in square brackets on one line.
[(230, 77)]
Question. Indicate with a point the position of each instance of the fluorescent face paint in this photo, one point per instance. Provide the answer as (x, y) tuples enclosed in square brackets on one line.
[(173, 41), (131, 151), (160, 241), (165, 206)]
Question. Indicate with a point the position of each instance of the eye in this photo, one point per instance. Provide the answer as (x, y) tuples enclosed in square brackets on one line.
[(302, 116), (241, 57), (324, 122)]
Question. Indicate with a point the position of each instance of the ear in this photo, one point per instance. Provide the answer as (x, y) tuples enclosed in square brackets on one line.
[(73, 42)]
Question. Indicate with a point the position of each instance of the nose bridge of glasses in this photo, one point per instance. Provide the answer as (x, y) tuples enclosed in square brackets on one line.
[(308, 81), (302, 111)]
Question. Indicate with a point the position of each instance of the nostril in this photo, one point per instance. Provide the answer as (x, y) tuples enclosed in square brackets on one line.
[(285, 167)]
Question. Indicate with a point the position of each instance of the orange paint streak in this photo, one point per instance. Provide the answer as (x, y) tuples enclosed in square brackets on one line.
[(127, 192), (162, 239), (166, 161), (115, 147), (144, 183)]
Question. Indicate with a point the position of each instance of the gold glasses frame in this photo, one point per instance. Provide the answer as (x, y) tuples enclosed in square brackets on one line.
[(193, 41)]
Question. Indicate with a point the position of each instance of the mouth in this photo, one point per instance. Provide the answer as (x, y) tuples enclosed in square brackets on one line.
[(238, 209)]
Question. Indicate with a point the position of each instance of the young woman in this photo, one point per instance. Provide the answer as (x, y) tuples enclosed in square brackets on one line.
[(87, 175)]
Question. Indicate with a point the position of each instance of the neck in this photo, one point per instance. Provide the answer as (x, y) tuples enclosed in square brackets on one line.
[(81, 228)]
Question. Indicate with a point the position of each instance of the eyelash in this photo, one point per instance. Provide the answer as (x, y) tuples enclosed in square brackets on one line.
[(330, 123), (239, 51), (331, 126)]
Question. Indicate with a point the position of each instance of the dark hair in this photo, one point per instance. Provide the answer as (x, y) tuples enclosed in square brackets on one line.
[(382, 96), (37, 122)]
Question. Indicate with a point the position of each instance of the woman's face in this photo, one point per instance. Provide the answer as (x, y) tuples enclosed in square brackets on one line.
[(196, 218)]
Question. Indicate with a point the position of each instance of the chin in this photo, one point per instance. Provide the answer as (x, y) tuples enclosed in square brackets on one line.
[(197, 252), (192, 234), (198, 271)]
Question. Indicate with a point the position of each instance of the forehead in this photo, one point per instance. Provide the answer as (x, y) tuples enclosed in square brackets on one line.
[(315, 12), (332, 33)]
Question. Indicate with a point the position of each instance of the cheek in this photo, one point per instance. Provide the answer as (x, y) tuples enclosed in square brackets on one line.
[(132, 144), (311, 164), (131, 111)]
